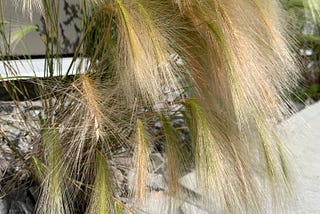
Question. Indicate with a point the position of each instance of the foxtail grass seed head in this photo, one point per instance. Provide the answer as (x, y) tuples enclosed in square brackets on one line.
[(144, 62), (235, 69), (142, 152)]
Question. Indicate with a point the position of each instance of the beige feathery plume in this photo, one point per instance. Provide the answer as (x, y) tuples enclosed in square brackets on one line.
[(176, 157), (144, 62), (91, 119), (242, 77), (249, 56), (224, 173), (92, 99), (141, 161), (86, 124), (54, 196), (83, 125), (101, 196)]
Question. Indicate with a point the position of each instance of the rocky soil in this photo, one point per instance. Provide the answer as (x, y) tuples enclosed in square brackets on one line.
[(16, 143), (18, 126), (17, 123)]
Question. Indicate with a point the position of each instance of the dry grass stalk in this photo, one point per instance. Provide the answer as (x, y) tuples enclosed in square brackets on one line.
[(141, 162)]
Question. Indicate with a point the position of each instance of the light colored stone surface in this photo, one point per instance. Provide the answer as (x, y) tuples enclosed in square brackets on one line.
[(304, 144), (187, 208), (157, 203), (189, 182)]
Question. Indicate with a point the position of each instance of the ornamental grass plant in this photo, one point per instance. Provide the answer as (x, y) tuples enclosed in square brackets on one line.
[(223, 67)]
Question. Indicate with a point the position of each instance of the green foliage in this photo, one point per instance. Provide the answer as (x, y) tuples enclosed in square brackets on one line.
[(308, 46)]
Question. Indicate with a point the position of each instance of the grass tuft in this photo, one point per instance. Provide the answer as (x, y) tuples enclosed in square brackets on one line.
[(232, 68), (142, 152), (101, 197)]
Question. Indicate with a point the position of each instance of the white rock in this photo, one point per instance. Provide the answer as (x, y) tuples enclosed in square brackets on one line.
[(187, 208), (303, 141), (189, 182)]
